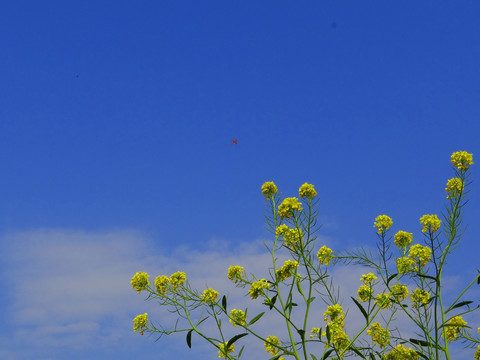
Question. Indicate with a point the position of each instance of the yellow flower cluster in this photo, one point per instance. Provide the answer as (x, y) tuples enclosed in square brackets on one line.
[(383, 300), (291, 237), (177, 279), (462, 160), (315, 332), (379, 335), (476, 356), (269, 189), (257, 288), (307, 191), (405, 265), (140, 323), (399, 292), (334, 317), (419, 297), (223, 352), (209, 295), (365, 293), (325, 255), (403, 239), (287, 208), (455, 324), (271, 345), (382, 223), (368, 278), (430, 223), (238, 317), (420, 254), (286, 270), (140, 281), (235, 273), (454, 187), (400, 352), (161, 283)]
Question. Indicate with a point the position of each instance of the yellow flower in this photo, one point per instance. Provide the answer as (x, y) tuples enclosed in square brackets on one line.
[(292, 238), (382, 223), (403, 239), (209, 295), (368, 278), (140, 323), (455, 324), (307, 191), (419, 297), (400, 352), (405, 265), (430, 223), (222, 352), (235, 273), (399, 292), (271, 345), (379, 335), (335, 313), (238, 317), (315, 332), (462, 160), (140, 281), (383, 300), (365, 293), (420, 254), (161, 284), (177, 279), (477, 353), (325, 255), (286, 270), (338, 336), (269, 189), (257, 288), (454, 187), (288, 206)]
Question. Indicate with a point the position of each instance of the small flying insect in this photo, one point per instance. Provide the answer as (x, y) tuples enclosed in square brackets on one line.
[(234, 141)]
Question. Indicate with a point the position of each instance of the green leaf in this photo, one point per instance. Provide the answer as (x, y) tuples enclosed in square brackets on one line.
[(301, 333), (328, 333), (256, 318), (355, 350), (361, 308), (310, 300), (325, 356), (189, 339), (391, 278), (428, 277), (241, 351), (290, 305), (313, 357), (224, 303), (235, 338), (460, 304), (273, 300), (478, 277), (419, 342), (372, 357)]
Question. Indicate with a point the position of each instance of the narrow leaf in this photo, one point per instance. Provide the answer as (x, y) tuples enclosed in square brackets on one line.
[(189, 339), (419, 342), (478, 278), (301, 333), (325, 356), (360, 307), (460, 304), (372, 357), (256, 318), (241, 351), (224, 303), (313, 357), (428, 277), (235, 338), (355, 350), (310, 300), (391, 278), (272, 301), (328, 334)]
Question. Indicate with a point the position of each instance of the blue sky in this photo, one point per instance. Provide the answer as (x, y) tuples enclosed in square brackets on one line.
[(116, 123)]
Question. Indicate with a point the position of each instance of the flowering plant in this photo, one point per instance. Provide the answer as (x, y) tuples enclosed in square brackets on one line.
[(382, 295)]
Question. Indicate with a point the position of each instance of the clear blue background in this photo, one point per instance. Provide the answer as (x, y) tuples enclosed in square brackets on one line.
[(119, 116)]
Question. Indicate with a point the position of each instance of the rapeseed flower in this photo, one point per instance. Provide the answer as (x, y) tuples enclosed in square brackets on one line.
[(286, 270), (403, 239), (315, 332), (455, 325), (209, 295), (269, 189), (140, 323), (177, 279), (325, 255), (140, 281), (382, 223), (420, 254), (405, 265), (307, 191), (399, 292), (430, 223), (287, 208), (419, 297), (476, 356), (379, 335), (335, 313), (271, 345), (365, 293), (238, 317), (368, 278), (235, 273), (161, 283), (292, 238), (383, 300), (223, 352), (400, 352), (281, 230), (257, 288), (462, 160), (454, 187)]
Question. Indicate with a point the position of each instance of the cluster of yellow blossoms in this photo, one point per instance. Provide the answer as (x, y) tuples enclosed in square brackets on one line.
[(140, 323), (462, 160), (454, 187), (403, 239), (400, 352), (238, 317), (419, 297), (455, 325), (382, 223), (291, 237), (257, 288), (380, 336), (223, 352), (286, 270), (430, 223), (140, 281), (334, 317), (209, 295), (271, 345), (399, 292), (269, 189), (307, 191), (235, 273), (365, 292), (288, 207), (325, 255)]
